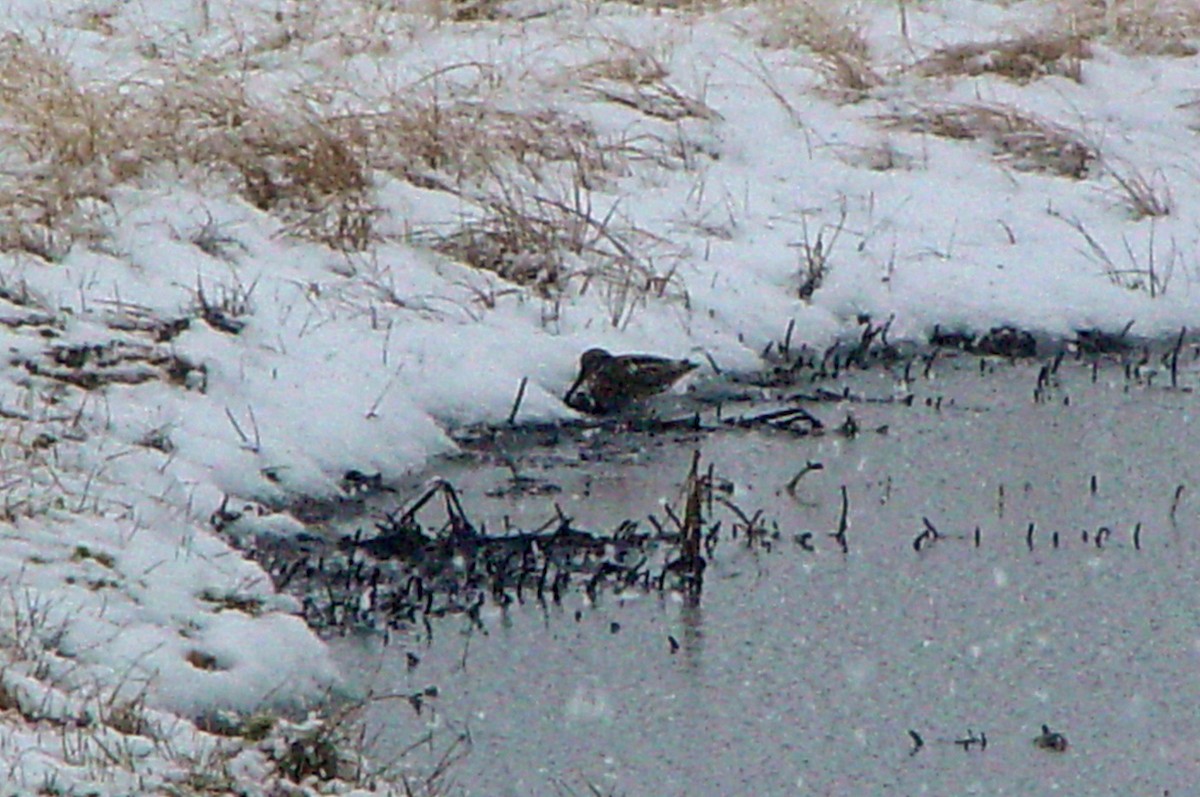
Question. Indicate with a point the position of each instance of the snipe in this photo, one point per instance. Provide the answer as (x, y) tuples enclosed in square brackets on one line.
[(608, 382)]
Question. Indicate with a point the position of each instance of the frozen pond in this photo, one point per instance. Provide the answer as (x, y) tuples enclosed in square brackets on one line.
[(804, 671)]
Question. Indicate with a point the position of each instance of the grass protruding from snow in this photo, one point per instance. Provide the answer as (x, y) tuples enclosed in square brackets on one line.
[(1022, 59), (528, 181), (544, 242), (637, 78), (815, 255), (67, 145), (1142, 268), (73, 142), (1019, 139), (300, 162), (836, 37), (247, 248), (1139, 27), (1143, 196)]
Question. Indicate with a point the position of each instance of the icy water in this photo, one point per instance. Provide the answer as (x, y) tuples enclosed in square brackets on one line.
[(803, 672)]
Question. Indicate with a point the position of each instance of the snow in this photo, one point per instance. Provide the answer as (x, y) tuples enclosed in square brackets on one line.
[(110, 572)]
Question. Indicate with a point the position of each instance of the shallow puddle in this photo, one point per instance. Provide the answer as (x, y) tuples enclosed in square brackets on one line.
[(804, 671)]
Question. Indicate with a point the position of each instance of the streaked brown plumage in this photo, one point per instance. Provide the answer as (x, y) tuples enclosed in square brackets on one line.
[(608, 382)]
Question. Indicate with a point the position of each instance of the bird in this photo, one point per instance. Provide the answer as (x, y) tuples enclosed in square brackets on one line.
[(610, 382)]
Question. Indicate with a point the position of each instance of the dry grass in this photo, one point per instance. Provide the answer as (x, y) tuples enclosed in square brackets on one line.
[(1149, 271), (1138, 27), (1143, 196), (73, 143), (309, 165), (1023, 141), (637, 78), (524, 175), (527, 182), (815, 255), (428, 140), (544, 242), (659, 100), (291, 160), (1022, 59), (520, 240), (526, 179), (816, 25), (66, 149), (836, 39), (30, 625)]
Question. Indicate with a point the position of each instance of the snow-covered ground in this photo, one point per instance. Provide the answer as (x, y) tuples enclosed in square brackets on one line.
[(248, 246)]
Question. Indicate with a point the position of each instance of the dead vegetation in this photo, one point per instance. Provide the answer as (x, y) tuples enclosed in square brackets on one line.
[(428, 139), (545, 243), (1020, 140), (815, 255), (526, 182), (471, 10), (91, 366), (69, 146), (836, 40), (294, 161), (77, 141), (636, 78), (1145, 266), (1144, 196), (1022, 59), (521, 245), (525, 176), (1138, 27)]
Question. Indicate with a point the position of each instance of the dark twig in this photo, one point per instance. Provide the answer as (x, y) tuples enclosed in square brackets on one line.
[(918, 742), (1174, 359), (512, 415), (972, 739), (843, 523), (786, 347), (929, 533), (808, 468)]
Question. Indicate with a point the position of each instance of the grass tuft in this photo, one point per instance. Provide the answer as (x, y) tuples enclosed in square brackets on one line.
[(815, 255), (835, 38), (1149, 272), (1023, 59), (67, 148), (1143, 196), (636, 78), (1138, 27), (1023, 141)]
